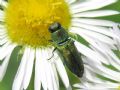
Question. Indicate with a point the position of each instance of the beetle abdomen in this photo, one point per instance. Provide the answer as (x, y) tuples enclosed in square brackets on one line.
[(72, 58)]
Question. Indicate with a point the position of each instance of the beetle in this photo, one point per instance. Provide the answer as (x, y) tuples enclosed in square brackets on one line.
[(65, 47)]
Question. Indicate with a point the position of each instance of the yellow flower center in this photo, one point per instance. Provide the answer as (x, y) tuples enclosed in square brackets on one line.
[(27, 21)]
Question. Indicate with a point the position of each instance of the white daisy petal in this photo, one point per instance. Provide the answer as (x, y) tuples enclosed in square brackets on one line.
[(88, 28), (98, 13), (3, 3), (3, 41), (3, 36), (116, 30), (90, 39), (114, 63), (62, 72), (97, 22), (17, 84), (90, 53), (1, 26), (102, 70), (49, 77), (111, 74), (7, 49), (42, 67), (70, 1), (2, 31), (54, 80), (92, 2), (3, 66), (1, 15), (113, 59), (55, 77), (37, 82), (53, 70), (96, 86), (91, 5), (46, 72), (42, 70), (94, 44), (28, 71), (93, 35), (90, 77), (109, 53)]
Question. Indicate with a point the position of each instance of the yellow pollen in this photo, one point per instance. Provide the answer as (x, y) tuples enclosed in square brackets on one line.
[(27, 21)]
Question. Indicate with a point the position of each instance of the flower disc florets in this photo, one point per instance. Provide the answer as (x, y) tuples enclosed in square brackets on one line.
[(27, 21)]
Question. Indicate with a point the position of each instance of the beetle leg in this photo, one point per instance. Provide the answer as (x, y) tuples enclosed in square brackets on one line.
[(52, 53), (50, 40)]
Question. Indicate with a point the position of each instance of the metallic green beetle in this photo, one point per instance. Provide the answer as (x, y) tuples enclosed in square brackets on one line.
[(66, 49)]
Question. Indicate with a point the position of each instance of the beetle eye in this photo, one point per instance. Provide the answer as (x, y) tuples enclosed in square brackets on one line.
[(54, 27)]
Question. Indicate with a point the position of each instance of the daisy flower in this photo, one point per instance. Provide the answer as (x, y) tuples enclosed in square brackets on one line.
[(103, 76), (25, 23)]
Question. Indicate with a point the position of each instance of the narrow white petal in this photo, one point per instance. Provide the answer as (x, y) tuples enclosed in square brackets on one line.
[(93, 35), (93, 41), (114, 63), (4, 41), (108, 73), (7, 49), (3, 36), (96, 86), (91, 5), (47, 71), (4, 65), (50, 78), (42, 66), (17, 84), (46, 74), (2, 31), (97, 22), (70, 1), (54, 81), (37, 82), (53, 70), (43, 76), (97, 13), (112, 58), (109, 51), (116, 30), (90, 76), (29, 68), (62, 72), (90, 53), (98, 29), (3, 3), (1, 15)]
